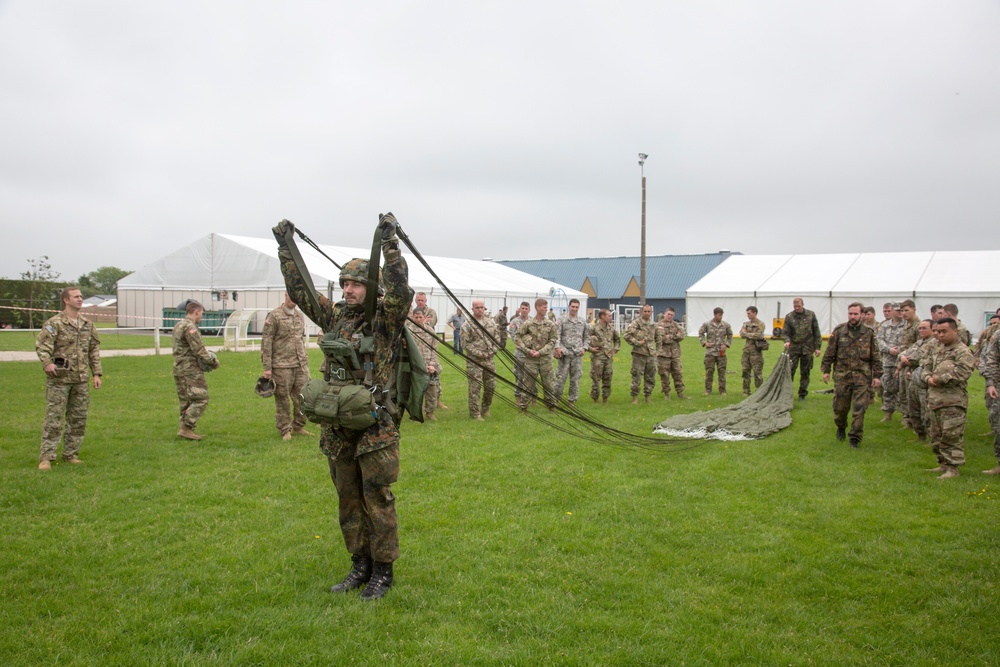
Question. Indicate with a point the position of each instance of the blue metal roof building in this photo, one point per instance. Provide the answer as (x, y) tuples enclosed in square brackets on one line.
[(615, 280)]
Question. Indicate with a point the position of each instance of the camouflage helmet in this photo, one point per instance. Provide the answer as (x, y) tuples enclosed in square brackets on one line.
[(265, 387), (357, 271)]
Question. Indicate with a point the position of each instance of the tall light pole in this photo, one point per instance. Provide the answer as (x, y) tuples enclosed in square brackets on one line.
[(642, 256)]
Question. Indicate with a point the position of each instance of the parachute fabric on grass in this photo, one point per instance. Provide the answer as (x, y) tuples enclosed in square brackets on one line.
[(765, 412)]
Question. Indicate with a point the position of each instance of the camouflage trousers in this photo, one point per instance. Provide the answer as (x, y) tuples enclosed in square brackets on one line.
[(64, 403), (518, 372), (993, 407), (948, 435), (916, 398), (569, 365), (192, 392), (851, 399), (903, 394), (799, 356), (535, 369), (367, 505), (890, 387), (432, 394), (602, 369), (482, 382), (670, 367), (713, 362), (643, 375), (753, 363), (288, 386)]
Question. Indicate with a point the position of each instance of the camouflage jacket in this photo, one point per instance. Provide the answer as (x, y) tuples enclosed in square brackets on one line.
[(538, 335), (916, 353), (500, 319), (964, 335), (713, 335), (76, 342), (347, 321), (641, 335), (427, 343), (751, 332), (911, 332), (283, 342), (852, 353), (188, 349), (983, 342), (514, 325), (950, 367), (573, 335), (668, 339), (605, 340), (802, 329), (991, 362), (430, 318), (477, 344), (890, 335)]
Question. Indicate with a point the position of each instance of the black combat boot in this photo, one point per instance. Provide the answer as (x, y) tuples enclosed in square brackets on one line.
[(380, 582), (357, 577)]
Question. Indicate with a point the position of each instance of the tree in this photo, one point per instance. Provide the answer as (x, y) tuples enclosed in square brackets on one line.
[(39, 277), (102, 281)]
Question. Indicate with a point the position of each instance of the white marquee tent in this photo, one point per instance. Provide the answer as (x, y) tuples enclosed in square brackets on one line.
[(227, 272), (828, 283)]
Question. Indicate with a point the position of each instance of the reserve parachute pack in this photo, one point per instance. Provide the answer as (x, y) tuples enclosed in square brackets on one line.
[(346, 396)]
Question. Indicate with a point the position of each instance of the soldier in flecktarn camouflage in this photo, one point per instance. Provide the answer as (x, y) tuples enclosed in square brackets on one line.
[(853, 355), (947, 371), (190, 361), (283, 353), (479, 345), (803, 342), (70, 352), (363, 463)]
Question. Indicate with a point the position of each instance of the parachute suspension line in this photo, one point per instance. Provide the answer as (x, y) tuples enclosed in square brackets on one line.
[(315, 247)]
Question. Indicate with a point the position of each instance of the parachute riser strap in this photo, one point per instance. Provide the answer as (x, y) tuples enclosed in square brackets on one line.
[(300, 266), (371, 295)]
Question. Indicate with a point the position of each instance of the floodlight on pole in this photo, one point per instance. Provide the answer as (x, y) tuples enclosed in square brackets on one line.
[(642, 254)]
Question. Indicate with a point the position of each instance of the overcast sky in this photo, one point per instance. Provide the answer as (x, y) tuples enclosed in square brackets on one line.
[(498, 129)]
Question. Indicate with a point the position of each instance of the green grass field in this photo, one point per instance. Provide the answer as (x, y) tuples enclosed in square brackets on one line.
[(520, 545)]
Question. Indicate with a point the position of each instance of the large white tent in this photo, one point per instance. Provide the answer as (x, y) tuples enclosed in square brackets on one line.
[(829, 282), (227, 272)]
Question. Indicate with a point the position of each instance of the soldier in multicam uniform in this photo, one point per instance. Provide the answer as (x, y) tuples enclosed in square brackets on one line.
[(852, 353), (190, 358), (983, 342), (715, 336), (910, 364), (948, 370), (520, 317), (283, 353), (890, 335), (604, 342), (427, 343), (641, 335), (753, 334), (500, 319), (536, 340), (573, 340), (70, 352), (430, 322), (363, 463), (991, 371), (803, 342), (911, 324), (669, 335), (479, 345)]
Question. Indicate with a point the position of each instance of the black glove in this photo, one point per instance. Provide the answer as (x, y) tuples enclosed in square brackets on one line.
[(281, 232), (387, 225)]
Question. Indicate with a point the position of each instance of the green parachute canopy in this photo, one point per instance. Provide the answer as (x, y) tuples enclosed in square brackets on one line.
[(766, 411)]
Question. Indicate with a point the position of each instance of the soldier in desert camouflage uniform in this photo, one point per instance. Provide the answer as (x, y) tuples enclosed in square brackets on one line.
[(363, 463), (890, 334), (910, 364), (479, 345), (500, 319), (427, 343), (716, 336), (641, 335), (669, 334), (283, 353), (752, 334), (190, 360), (911, 324), (536, 341), (852, 353), (70, 352), (604, 342), (948, 370), (520, 317), (573, 340)]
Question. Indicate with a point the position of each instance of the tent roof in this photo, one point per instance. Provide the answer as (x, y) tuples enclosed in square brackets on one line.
[(226, 261)]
